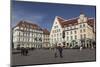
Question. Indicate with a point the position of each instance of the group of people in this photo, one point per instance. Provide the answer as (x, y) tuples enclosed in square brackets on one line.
[(24, 51), (58, 51)]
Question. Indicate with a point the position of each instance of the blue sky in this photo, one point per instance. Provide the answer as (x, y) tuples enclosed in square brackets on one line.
[(43, 14)]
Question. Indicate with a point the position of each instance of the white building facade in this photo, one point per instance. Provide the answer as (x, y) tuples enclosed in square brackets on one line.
[(78, 31), (46, 41), (27, 35), (56, 32)]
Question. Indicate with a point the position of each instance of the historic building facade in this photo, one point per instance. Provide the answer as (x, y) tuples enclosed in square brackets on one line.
[(79, 31), (46, 41), (56, 32), (26, 34)]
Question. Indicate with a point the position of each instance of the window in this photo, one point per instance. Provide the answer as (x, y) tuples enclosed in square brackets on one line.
[(75, 36), (55, 27), (53, 31), (71, 37), (80, 26), (59, 30), (84, 35), (19, 33), (80, 31), (84, 30), (52, 40), (67, 38), (83, 25), (55, 39), (81, 36), (71, 32), (56, 30), (57, 35), (60, 34), (56, 22), (67, 33), (75, 31)]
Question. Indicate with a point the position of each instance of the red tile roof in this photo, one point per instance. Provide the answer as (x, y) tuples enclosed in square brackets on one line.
[(91, 22), (60, 20), (45, 31), (73, 21), (27, 24)]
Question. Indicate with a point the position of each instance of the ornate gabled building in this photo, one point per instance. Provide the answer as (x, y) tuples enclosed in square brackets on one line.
[(26, 34), (79, 31), (56, 32)]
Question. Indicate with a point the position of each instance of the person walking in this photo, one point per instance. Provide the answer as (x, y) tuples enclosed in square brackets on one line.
[(60, 49), (81, 48), (22, 51), (55, 51), (26, 51)]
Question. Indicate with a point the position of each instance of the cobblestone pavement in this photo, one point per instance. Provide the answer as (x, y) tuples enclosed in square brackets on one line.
[(41, 56)]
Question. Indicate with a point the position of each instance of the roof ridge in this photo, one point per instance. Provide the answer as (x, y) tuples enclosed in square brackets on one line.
[(26, 22), (70, 19), (29, 22), (59, 17)]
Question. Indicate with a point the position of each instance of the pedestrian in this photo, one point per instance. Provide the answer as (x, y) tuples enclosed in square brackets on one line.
[(80, 47), (60, 49), (55, 52), (22, 51), (26, 51)]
